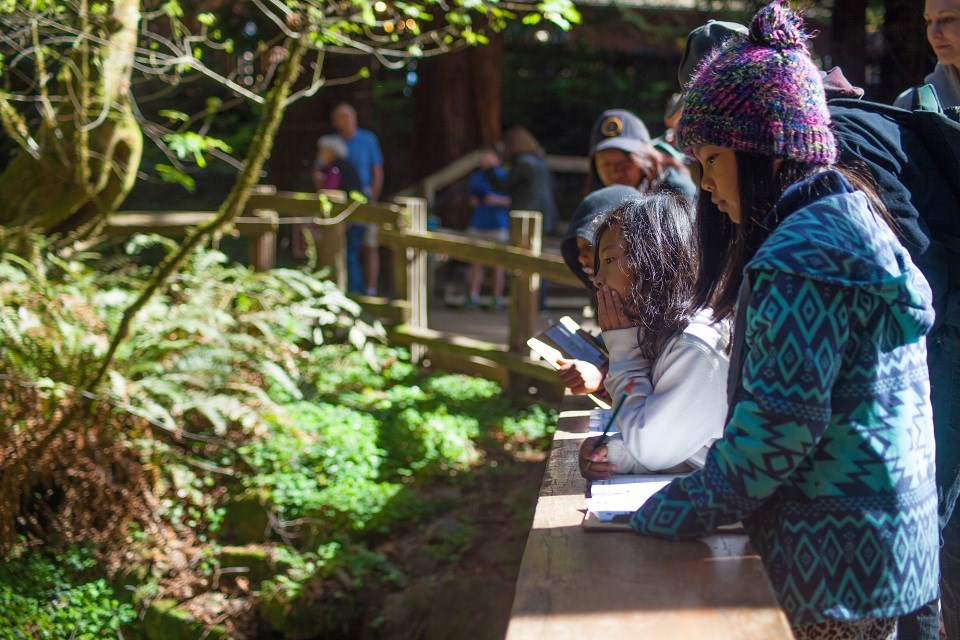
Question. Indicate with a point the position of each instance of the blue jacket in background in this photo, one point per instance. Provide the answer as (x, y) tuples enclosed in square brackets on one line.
[(486, 216), (828, 453)]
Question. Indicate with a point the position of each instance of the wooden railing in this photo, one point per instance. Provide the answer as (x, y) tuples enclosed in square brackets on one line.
[(574, 583), (429, 186), (403, 228)]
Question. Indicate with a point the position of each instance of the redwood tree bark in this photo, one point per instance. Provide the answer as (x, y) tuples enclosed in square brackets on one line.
[(907, 57), (457, 111)]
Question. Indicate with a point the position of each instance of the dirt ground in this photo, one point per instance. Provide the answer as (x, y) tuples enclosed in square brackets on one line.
[(463, 566)]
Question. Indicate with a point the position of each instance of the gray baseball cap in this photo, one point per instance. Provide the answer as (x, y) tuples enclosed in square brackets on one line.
[(701, 42), (618, 129)]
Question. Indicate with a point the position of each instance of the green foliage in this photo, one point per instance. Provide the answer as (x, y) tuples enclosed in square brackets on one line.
[(341, 436), (337, 369), (536, 423), (321, 460), (205, 357), (43, 595)]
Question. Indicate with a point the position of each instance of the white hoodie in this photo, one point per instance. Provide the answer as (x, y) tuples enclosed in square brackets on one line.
[(678, 404)]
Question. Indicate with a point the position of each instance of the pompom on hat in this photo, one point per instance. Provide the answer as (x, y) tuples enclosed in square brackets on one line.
[(761, 93)]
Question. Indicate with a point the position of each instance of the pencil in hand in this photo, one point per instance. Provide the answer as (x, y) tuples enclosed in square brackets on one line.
[(602, 439)]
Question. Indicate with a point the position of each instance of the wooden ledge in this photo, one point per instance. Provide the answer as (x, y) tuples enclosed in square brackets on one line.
[(582, 585)]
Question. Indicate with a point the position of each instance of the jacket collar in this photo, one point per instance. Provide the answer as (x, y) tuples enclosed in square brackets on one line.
[(803, 193)]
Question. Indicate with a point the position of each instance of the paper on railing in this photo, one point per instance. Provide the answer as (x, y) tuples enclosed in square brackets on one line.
[(599, 419), (621, 495)]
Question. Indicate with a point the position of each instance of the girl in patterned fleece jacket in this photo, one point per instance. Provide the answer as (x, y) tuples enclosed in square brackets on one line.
[(827, 456)]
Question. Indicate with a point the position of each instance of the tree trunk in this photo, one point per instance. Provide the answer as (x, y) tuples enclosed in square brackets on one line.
[(457, 111), (81, 175), (907, 55), (849, 39)]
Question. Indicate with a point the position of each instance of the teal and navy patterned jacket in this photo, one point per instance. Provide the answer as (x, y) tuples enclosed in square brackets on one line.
[(828, 453)]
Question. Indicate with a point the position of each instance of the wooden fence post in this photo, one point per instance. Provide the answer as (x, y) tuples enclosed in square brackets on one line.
[(263, 248), (332, 252), (410, 270), (526, 232)]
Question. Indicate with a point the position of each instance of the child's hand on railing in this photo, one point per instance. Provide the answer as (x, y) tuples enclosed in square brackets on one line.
[(593, 462)]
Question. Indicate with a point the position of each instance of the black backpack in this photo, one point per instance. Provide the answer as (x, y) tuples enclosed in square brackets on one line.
[(914, 155)]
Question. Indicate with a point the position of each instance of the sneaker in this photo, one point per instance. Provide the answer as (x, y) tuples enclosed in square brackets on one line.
[(498, 306), (471, 304)]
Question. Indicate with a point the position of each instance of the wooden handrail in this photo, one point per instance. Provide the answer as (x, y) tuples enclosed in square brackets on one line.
[(462, 166), (469, 347), (488, 253), (130, 222), (403, 229), (579, 584)]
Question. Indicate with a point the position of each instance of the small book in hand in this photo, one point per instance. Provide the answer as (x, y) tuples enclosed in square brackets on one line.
[(568, 341)]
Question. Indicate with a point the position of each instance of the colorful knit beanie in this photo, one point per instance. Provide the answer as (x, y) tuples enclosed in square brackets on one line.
[(761, 93)]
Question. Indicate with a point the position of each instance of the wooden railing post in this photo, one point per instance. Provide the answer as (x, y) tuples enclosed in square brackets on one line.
[(410, 269), (263, 248), (332, 253), (526, 232)]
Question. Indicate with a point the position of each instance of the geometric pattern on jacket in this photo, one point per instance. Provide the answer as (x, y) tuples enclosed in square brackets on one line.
[(827, 456)]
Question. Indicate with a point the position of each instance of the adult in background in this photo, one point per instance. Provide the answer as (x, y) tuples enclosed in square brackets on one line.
[(490, 220), (943, 33), (529, 182), (363, 150), (621, 152)]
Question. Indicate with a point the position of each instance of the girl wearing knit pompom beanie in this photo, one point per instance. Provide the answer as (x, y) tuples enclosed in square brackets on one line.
[(827, 455)]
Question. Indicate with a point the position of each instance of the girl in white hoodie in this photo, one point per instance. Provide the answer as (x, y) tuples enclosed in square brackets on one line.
[(670, 365)]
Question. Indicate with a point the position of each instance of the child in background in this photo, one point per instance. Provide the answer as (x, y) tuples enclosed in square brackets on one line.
[(827, 456), (579, 376), (670, 364), (490, 220), (332, 170)]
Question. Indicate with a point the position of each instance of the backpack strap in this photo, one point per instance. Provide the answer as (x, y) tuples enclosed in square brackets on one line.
[(924, 98)]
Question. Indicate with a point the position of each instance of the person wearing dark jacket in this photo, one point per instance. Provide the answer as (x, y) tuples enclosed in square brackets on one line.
[(827, 457)]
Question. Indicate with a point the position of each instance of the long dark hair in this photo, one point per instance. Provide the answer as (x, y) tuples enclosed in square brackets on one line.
[(725, 248), (660, 256)]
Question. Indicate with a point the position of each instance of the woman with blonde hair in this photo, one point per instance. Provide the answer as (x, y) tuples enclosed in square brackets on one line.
[(942, 18), (529, 183)]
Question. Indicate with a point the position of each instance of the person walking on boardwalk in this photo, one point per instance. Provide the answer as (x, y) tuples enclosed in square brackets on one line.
[(827, 457)]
